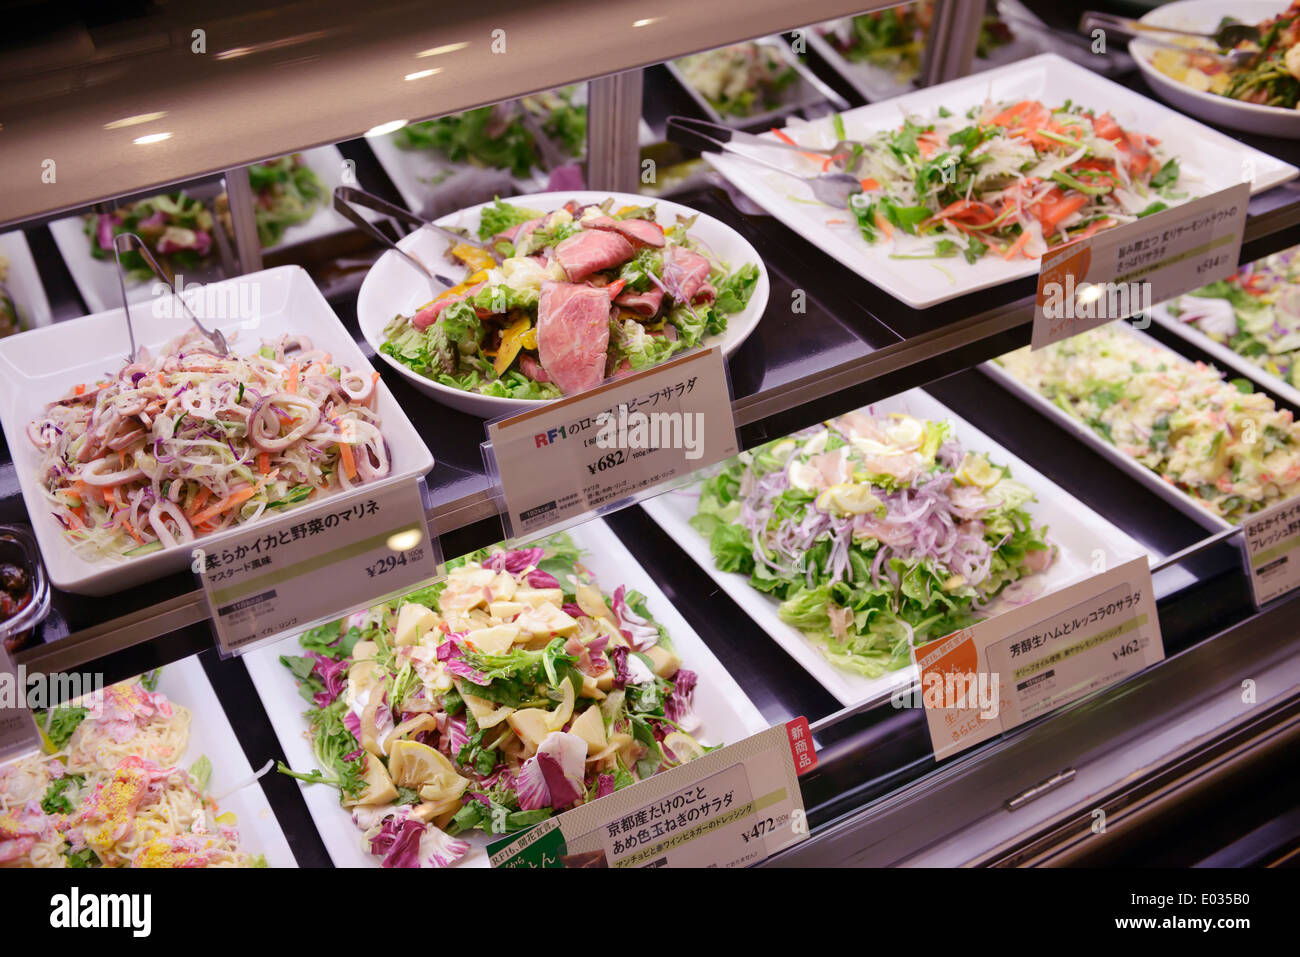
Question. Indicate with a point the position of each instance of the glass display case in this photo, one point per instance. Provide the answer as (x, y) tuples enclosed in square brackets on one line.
[(904, 469)]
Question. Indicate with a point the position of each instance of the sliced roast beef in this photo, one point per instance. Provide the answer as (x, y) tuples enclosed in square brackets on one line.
[(573, 333), (430, 313), (532, 368), (686, 274), (646, 303), (640, 231), (591, 251)]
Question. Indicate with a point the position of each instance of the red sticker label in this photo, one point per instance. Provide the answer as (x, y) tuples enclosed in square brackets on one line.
[(801, 745)]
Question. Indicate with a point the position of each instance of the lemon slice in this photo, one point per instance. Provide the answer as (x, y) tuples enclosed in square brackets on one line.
[(682, 746), (976, 470), (849, 499), (411, 764)]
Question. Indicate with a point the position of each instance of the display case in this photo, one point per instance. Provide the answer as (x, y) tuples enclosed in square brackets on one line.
[(267, 113)]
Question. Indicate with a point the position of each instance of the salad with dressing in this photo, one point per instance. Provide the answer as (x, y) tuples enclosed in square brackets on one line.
[(514, 689), (562, 300), (1009, 179), (874, 534), (1226, 446), (740, 80), (187, 443), (1255, 312), (176, 227)]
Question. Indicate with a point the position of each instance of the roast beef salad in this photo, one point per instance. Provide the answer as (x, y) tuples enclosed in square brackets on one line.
[(567, 298), (510, 691), (874, 533)]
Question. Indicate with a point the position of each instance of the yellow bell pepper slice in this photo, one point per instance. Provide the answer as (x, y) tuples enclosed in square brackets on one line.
[(512, 340), (473, 256)]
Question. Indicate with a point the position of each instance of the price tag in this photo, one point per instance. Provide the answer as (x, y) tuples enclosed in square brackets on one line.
[(1272, 537), (1120, 272), (315, 564), (18, 734), (728, 808), (997, 674), (594, 449)]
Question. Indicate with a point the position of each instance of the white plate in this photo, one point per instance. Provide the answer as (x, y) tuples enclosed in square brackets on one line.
[(880, 83), (24, 281), (97, 281), (37, 367), (1222, 353), (1204, 15), (807, 91), (1079, 532), (1175, 497), (1209, 160), (185, 683), (727, 715), (394, 286)]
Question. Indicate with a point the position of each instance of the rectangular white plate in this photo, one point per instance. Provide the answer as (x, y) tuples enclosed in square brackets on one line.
[(1223, 354), (1210, 161), (39, 366), (727, 715), (1078, 532), (807, 91), (185, 683), (24, 281), (880, 83), (1169, 493), (97, 281)]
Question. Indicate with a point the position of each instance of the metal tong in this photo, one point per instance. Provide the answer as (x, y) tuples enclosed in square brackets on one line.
[(1226, 37), (120, 243), (833, 189), (346, 196)]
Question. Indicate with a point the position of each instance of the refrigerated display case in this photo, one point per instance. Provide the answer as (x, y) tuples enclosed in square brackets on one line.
[(844, 326)]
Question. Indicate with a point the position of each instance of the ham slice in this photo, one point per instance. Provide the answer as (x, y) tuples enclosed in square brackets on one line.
[(591, 251), (430, 313), (532, 368), (646, 303), (640, 231), (573, 333), (686, 275)]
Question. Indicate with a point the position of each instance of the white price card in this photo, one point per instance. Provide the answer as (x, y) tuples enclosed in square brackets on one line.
[(1120, 272), (1272, 537), (18, 734), (727, 808), (979, 682), (318, 563), (585, 452)]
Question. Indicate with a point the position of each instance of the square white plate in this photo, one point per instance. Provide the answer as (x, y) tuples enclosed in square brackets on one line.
[(1174, 496), (1081, 535), (727, 715), (39, 366), (97, 281), (24, 281), (185, 683), (1209, 161)]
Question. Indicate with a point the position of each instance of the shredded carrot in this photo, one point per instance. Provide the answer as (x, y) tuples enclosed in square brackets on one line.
[(80, 388), (374, 376), (884, 225), (869, 183), (203, 494), (784, 138), (349, 463), (130, 529), (161, 380), (835, 222), (110, 496), (291, 379), (227, 503), (1016, 246), (264, 462)]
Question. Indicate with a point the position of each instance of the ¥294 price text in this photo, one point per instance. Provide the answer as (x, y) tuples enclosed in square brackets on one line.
[(392, 562)]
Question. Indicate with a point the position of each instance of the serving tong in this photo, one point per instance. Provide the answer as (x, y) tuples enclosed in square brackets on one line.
[(346, 196), (120, 243), (832, 189), (1226, 37)]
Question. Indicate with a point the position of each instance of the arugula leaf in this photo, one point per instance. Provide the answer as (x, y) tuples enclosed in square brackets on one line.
[(1167, 176)]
